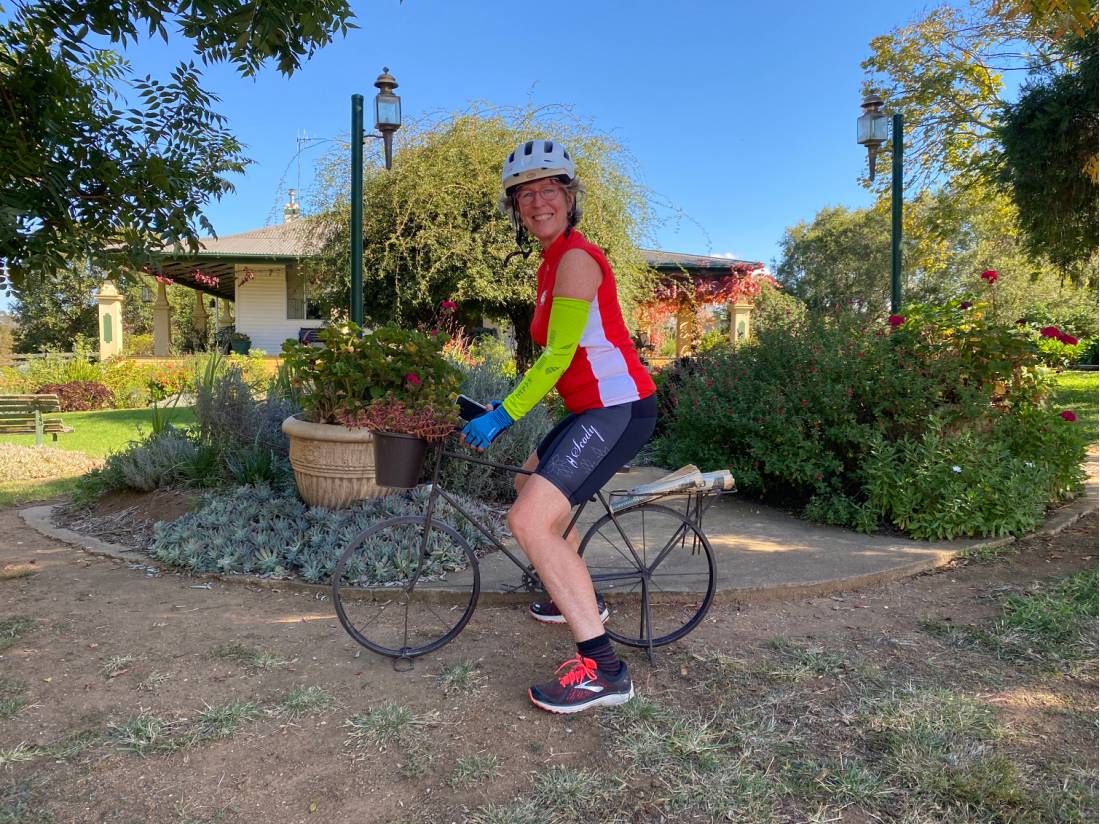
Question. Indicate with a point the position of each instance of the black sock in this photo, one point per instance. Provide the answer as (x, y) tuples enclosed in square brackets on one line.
[(599, 649)]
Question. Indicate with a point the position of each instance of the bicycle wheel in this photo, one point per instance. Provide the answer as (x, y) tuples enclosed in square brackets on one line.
[(401, 590), (655, 569)]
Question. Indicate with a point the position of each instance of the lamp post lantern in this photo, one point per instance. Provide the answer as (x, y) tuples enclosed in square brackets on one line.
[(872, 128), (387, 111), (387, 119)]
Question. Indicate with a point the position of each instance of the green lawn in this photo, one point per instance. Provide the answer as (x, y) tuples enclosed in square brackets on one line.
[(100, 433), (1077, 391), (96, 434)]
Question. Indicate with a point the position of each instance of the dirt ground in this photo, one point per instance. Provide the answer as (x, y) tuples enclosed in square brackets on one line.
[(111, 642)]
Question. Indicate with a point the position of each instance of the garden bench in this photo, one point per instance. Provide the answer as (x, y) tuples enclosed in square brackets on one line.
[(26, 415)]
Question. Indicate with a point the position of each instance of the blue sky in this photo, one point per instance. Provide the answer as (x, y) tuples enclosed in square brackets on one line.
[(741, 114)]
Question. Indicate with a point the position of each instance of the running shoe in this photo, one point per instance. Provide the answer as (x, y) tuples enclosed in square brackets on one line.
[(548, 613), (584, 686)]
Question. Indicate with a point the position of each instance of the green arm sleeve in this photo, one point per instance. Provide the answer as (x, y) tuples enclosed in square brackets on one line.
[(567, 319)]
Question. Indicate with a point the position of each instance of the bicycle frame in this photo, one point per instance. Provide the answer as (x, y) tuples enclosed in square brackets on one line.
[(530, 581)]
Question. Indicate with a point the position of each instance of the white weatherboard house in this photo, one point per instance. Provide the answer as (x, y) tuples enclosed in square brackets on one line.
[(259, 278)]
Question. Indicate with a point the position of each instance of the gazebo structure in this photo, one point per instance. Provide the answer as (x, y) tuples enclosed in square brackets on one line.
[(689, 283)]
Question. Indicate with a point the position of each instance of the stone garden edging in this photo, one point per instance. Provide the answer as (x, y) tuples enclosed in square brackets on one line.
[(38, 518)]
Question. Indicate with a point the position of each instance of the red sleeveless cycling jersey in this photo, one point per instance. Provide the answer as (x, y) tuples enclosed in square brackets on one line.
[(605, 370)]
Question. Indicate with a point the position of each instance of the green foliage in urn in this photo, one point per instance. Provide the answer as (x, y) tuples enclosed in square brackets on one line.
[(383, 369)]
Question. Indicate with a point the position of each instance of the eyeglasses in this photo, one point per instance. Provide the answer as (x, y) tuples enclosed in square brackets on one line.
[(547, 193)]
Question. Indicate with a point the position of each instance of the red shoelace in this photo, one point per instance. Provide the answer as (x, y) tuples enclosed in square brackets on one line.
[(583, 669)]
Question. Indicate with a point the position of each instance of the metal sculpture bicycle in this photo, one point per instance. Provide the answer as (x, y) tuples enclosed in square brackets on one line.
[(653, 564)]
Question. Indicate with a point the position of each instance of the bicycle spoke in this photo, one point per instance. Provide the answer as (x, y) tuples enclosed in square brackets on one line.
[(409, 620), (669, 593), (618, 549)]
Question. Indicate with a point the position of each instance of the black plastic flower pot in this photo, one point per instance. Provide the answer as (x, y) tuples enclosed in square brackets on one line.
[(398, 459)]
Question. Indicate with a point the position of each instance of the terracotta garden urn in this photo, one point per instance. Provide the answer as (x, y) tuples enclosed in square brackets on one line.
[(333, 464)]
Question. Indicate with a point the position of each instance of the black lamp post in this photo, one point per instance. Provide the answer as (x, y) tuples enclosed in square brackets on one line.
[(872, 128), (387, 119)]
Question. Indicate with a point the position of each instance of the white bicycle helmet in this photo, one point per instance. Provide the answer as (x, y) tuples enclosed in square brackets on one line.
[(535, 160)]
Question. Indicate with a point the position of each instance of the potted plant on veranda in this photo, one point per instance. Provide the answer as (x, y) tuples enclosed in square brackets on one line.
[(239, 343), (359, 383)]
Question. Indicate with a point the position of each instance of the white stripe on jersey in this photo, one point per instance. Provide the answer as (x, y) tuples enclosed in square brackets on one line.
[(613, 379)]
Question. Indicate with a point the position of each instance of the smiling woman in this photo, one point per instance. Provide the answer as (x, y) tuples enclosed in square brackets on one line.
[(589, 358)]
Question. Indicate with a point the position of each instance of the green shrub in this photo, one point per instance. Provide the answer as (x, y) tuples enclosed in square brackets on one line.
[(224, 410), (160, 461), (933, 423), (139, 345), (944, 484)]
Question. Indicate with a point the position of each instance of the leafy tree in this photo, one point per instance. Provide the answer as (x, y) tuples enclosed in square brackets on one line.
[(92, 157), (7, 333), (945, 74), (841, 258), (1050, 161), (432, 231), (59, 310)]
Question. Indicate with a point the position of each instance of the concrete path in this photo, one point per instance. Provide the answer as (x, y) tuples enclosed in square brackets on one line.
[(762, 553)]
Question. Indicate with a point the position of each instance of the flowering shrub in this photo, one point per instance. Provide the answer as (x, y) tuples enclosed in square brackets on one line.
[(168, 378), (354, 369), (431, 421), (860, 423), (78, 396), (999, 362)]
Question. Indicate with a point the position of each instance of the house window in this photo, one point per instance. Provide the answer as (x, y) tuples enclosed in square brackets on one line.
[(299, 306)]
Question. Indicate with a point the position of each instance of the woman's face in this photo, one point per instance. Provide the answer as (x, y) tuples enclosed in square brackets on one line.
[(544, 208)]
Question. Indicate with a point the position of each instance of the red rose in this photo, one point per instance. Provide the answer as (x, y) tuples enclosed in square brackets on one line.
[(1068, 416), (1050, 331), (989, 276), (412, 379), (1068, 340), (896, 320)]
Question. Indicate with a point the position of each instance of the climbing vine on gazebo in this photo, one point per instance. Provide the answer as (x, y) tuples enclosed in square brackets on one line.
[(689, 293)]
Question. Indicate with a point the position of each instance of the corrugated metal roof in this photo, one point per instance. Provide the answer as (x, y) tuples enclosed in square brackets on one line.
[(296, 239), (668, 260)]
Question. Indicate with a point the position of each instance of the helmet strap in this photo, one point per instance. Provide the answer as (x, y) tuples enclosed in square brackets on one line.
[(523, 240)]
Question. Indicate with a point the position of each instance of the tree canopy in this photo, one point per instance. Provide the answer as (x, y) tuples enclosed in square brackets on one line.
[(842, 258), (432, 230), (1050, 160), (944, 73), (92, 157)]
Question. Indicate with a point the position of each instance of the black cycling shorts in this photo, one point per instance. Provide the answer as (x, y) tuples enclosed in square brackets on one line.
[(581, 453)]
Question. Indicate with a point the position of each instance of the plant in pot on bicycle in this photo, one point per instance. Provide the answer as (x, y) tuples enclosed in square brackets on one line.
[(399, 373)]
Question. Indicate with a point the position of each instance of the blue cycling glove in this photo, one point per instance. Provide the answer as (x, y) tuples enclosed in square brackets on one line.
[(483, 430)]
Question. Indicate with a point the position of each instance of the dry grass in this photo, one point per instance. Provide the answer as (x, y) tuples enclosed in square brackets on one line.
[(26, 463)]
